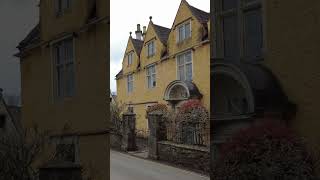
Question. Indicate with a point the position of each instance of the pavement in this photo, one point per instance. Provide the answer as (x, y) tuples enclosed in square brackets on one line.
[(128, 167)]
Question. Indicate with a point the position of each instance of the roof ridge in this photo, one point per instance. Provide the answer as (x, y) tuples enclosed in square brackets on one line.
[(162, 32), (162, 26)]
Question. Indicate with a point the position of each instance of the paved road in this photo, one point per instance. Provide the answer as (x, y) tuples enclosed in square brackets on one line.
[(126, 167)]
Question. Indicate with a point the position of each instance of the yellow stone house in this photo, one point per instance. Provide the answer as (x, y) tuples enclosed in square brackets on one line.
[(166, 65), (64, 62)]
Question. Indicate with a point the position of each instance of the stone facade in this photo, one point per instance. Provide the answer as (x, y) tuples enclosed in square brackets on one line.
[(193, 157), (128, 132), (155, 122)]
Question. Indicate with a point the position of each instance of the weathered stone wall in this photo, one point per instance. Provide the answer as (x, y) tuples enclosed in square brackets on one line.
[(128, 132), (193, 157)]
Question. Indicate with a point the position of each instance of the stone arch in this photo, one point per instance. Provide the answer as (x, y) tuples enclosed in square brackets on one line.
[(178, 91), (230, 88)]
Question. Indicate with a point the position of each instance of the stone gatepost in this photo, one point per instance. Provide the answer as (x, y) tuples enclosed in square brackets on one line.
[(128, 132), (157, 133)]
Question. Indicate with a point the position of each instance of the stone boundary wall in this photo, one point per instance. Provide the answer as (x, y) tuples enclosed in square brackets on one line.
[(189, 156)]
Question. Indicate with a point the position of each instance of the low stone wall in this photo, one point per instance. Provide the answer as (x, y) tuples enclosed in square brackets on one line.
[(193, 157), (115, 141)]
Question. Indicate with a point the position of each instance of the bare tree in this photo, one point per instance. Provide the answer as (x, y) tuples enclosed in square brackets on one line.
[(18, 152)]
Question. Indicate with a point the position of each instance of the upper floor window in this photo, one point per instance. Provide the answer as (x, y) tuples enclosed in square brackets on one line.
[(239, 29), (130, 58), (64, 79), (130, 83), (151, 76), (184, 62), (184, 32), (151, 49), (62, 5)]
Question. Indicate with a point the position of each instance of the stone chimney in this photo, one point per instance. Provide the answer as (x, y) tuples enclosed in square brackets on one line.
[(139, 33), (144, 31)]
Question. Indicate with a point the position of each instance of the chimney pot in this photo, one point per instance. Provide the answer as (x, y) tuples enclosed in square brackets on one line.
[(138, 27), (144, 29), (139, 32)]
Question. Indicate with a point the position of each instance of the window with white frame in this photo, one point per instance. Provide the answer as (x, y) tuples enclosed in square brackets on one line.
[(151, 76), (184, 32), (130, 58), (239, 29), (62, 5), (64, 72), (151, 49), (184, 63), (130, 83)]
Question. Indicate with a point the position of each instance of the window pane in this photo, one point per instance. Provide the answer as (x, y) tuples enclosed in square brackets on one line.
[(180, 60), (188, 57), (153, 69), (230, 36), (153, 77), (189, 72), (56, 52), (152, 48), (229, 4), (181, 73), (65, 152), (148, 71), (253, 33), (187, 30), (69, 50), (70, 80), (149, 82), (181, 33), (61, 57), (59, 81)]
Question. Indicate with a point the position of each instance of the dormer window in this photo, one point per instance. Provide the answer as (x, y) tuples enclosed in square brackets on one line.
[(184, 32), (130, 58), (61, 6), (151, 49)]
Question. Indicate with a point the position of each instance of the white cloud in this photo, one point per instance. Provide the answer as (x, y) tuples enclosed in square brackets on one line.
[(126, 14)]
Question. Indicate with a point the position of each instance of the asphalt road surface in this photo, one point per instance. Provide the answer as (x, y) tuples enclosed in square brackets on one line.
[(126, 167)]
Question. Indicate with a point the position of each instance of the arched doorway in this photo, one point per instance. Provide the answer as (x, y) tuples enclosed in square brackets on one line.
[(242, 94), (179, 91)]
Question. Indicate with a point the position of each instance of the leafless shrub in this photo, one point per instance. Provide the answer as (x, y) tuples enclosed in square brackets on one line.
[(116, 110), (18, 153)]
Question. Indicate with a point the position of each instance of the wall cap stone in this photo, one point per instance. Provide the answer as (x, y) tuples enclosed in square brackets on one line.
[(191, 147)]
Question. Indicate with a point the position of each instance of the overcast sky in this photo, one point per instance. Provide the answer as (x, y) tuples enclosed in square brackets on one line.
[(126, 14), (17, 17)]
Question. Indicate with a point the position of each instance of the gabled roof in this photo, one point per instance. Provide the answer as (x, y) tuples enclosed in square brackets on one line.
[(120, 73), (15, 120), (202, 16), (32, 38), (162, 32), (137, 44)]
